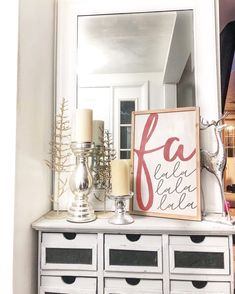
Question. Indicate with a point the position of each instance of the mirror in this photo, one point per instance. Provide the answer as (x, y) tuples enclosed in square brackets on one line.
[(202, 67), (134, 61)]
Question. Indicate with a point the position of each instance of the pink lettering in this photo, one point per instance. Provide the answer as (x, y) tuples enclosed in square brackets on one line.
[(148, 131)]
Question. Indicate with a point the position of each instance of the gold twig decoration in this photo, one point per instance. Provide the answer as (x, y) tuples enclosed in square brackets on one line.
[(102, 158), (60, 151)]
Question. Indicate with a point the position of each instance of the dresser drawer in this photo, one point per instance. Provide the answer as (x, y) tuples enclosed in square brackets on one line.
[(193, 287), (133, 253), (199, 255), (130, 286), (67, 285), (69, 251)]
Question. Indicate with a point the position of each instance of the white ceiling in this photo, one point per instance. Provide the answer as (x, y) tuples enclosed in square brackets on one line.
[(124, 43)]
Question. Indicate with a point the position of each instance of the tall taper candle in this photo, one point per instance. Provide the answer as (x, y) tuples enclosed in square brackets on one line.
[(98, 132), (82, 126), (120, 178)]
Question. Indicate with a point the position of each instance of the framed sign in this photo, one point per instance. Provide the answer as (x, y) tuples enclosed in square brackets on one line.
[(166, 163)]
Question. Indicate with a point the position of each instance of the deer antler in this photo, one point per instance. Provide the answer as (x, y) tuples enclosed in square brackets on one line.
[(222, 117), (204, 124)]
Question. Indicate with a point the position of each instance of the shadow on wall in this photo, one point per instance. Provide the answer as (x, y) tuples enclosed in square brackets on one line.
[(227, 48), (227, 19)]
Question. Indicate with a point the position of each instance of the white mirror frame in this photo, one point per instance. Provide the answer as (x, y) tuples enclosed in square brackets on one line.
[(206, 57)]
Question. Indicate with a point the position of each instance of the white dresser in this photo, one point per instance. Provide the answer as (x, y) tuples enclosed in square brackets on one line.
[(149, 256)]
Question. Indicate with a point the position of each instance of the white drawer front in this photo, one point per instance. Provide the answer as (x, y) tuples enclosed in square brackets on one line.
[(133, 253), (193, 287), (130, 286), (67, 285), (69, 251), (199, 255)]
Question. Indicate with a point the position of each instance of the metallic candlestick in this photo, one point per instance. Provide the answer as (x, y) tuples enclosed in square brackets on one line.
[(121, 216), (80, 184)]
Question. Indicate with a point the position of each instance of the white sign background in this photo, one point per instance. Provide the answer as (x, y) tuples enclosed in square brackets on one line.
[(166, 163)]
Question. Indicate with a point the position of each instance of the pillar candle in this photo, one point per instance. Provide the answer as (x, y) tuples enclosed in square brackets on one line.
[(82, 126), (120, 178), (129, 164), (98, 132)]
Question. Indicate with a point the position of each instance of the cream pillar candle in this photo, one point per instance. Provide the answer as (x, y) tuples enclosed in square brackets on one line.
[(120, 178), (82, 126), (129, 164), (98, 132)]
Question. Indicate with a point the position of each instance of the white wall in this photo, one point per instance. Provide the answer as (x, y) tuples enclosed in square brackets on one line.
[(186, 87), (34, 122), (8, 89)]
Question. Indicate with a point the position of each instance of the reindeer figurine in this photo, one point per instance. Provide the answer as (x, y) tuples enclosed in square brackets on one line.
[(214, 162)]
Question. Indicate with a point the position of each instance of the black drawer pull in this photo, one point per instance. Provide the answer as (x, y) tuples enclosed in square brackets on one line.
[(68, 279), (69, 236), (197, 238), (133, 237), (199, 284), (132, 281), (54, 293)]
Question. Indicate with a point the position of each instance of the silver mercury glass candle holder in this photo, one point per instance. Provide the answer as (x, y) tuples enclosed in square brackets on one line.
[(121, 216), (80, 183)]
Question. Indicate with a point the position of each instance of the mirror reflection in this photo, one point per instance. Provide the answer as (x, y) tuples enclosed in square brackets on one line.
[(137, 61)]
